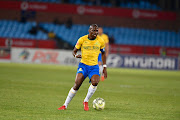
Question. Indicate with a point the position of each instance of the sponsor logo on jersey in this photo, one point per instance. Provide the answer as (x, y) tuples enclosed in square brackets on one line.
[(97, 43), (80, 69), (91, 47)]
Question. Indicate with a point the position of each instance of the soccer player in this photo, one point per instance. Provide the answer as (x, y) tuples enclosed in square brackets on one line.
[(106, 40), (90, 46)]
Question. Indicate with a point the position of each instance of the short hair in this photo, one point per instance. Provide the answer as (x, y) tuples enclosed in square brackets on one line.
[(93, 25)]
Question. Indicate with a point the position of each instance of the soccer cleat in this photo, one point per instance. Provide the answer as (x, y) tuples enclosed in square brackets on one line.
[(62, 108), (102, 78), (86, 107)]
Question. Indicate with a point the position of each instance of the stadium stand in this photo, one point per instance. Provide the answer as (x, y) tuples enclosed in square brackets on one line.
[(15, 29), (141, 4), (128, 36), (122, 35)]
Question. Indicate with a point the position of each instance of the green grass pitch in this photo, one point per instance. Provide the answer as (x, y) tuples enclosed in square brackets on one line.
[(34, 92)]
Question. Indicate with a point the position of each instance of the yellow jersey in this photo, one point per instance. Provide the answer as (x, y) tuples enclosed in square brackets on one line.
[(105, 38), (90, 49)]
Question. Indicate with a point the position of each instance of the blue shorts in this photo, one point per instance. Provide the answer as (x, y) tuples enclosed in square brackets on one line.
[(87, 70), (100, 57)]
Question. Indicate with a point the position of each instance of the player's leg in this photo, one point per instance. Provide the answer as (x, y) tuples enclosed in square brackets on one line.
[(94, 76), (100, 66), (100, 63), (92, 87), (91, 90), (78, 81), (80, 76)]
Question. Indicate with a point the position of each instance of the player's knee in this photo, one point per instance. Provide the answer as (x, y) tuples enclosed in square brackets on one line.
[(76, 85), (95, 82)]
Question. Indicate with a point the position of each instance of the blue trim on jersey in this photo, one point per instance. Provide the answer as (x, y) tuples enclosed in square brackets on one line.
[(87, 70)]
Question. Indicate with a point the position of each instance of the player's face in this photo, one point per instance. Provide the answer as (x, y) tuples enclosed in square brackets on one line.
[(100, 30), (93, 31)]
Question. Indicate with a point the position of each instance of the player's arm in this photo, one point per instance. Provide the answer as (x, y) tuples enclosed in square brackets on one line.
[(75, 53), (107, 49), (107, 46), (104, 62), (77, 47)]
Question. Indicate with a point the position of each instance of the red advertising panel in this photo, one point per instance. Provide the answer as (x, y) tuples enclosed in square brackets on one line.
[(27, 43), (46, 44), (114, 48), (133, 49), (5, 42), (5, 55), (148, 50), (173, 51), (88, 10)]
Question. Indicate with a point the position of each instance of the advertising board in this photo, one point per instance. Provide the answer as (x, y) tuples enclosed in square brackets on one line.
[(43, 56), (143, 62), (88, 10)]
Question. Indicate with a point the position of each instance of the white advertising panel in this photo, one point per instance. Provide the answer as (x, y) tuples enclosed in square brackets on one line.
[(43, 56)]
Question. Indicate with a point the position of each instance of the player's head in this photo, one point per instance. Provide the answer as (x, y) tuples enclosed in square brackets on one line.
[(93, 30), (100, 31)]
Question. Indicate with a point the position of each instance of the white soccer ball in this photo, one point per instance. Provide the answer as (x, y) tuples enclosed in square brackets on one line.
[(99, 103)]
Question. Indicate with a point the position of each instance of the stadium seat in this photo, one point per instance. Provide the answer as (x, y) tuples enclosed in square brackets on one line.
[(129, 36)]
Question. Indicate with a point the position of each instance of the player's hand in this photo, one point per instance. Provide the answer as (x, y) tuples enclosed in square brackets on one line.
[(105, 72), (78, 56)]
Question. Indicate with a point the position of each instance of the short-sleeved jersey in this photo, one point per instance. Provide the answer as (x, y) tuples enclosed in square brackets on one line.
[(105, 38), (90, 49)]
